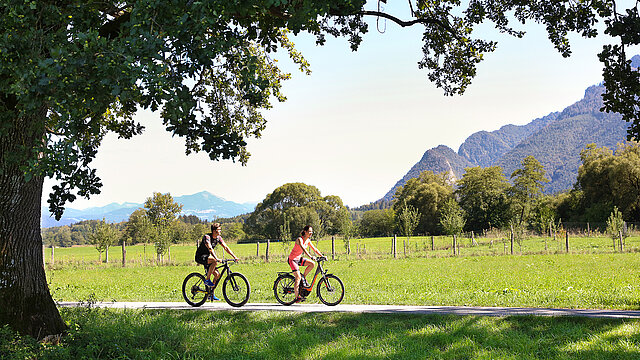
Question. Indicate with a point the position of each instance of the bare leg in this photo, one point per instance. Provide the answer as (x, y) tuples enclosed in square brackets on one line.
[(296, 282)]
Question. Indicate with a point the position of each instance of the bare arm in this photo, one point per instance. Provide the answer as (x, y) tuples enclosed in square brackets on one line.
[(226, 248), (315, 248)]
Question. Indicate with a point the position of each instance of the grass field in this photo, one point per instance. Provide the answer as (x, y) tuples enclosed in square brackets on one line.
[(592, 275), (151, 334), (571, 281)]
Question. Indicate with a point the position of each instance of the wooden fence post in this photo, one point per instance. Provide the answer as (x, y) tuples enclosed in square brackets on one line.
[(53, 261), (258, 249), (393, 246), (512, 238), (473, 239), (455, 244), (124, 253), (404, 246), (266, 256), (432, 242), (567, 240), (333, 248), (621, 244)]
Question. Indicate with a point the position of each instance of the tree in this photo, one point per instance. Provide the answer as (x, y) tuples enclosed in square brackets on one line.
[(162, 212), (407, 219), (427, 193), (138, 228), (72, 71), (377, 223), (616, 226), (482, 194), (452, 217), (528, 183), (103, 237), (608, 179), (297, 204)]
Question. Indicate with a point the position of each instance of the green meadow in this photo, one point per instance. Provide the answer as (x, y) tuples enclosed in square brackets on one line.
[(591, 275)]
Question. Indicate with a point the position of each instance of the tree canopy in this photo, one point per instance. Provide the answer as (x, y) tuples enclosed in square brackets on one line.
[(298, 204)]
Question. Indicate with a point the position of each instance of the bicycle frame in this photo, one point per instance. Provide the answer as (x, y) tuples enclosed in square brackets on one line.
[(319, 270)]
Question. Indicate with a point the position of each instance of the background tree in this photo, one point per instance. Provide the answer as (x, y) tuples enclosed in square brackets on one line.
[(234, 232), (72, 71), (162, 212), (528, 183), (606, 180), (302, 205), (482, 194), (616, 226), (427, 193), (138, 228), (103, 237), (377, 223), (407, 219), (452, 217)]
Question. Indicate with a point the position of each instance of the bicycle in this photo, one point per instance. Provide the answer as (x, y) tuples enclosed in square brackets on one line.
[(330, 288), (235, 288)]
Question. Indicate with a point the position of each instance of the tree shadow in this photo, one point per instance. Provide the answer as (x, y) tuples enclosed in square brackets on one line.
[(173, 334)]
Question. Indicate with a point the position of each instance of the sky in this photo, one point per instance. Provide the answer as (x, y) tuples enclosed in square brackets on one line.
[(358, 123)]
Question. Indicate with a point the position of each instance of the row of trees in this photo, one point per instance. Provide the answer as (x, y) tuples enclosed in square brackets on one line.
[(430, 204), (484, 198)]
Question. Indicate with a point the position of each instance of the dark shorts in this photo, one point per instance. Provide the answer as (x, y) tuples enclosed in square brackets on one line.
[(203, 260)]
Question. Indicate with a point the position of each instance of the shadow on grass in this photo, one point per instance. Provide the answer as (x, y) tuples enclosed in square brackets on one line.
[(162, 334)]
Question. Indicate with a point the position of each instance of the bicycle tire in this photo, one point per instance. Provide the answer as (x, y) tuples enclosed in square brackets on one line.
[(194, 285), (283, 289), (330, 290), (236, 289)]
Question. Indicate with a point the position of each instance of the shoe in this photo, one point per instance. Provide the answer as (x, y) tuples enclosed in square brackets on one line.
[(298, 299), (208, 282), (212, 297), (305, 283)]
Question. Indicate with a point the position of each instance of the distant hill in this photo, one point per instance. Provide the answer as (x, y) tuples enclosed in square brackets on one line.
[(203, 205), (555, 140)]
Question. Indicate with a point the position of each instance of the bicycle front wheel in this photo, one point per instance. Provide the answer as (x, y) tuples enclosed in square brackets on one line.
[(330, 290), (194, 290), (283, 289), (236, 290)]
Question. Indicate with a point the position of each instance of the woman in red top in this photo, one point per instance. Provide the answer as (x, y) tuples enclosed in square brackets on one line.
[(296, 260)]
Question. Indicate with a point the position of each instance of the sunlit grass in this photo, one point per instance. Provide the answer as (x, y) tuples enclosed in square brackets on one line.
[(152, 334)]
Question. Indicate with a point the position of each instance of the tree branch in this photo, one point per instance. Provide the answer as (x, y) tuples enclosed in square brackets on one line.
[(445, 25), (405, 23)]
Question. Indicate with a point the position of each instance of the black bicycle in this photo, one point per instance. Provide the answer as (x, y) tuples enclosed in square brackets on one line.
[(330, 289), (235, 288)]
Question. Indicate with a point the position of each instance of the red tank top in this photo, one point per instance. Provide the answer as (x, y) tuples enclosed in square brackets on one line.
[(297, 249)]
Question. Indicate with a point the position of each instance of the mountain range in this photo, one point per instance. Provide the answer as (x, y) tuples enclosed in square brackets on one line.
[(554, 140), (203, 205)]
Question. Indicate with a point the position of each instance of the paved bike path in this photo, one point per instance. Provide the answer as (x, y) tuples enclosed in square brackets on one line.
[(379, 309)]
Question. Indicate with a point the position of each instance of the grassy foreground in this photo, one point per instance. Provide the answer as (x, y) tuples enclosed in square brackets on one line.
[(148, 334), (609, 281)]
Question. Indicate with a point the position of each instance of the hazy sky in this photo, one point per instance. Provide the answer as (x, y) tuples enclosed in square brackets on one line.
[(358, 123)]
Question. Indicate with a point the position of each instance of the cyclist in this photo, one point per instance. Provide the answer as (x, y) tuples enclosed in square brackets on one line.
[(296, 260), (207, 257)]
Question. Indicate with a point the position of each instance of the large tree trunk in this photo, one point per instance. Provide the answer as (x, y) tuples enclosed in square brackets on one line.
[(25, 301)]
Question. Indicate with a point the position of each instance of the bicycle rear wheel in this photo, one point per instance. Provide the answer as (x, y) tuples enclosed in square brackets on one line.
[(194, 290), (236, 289), (330, 290), (283, 289)]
